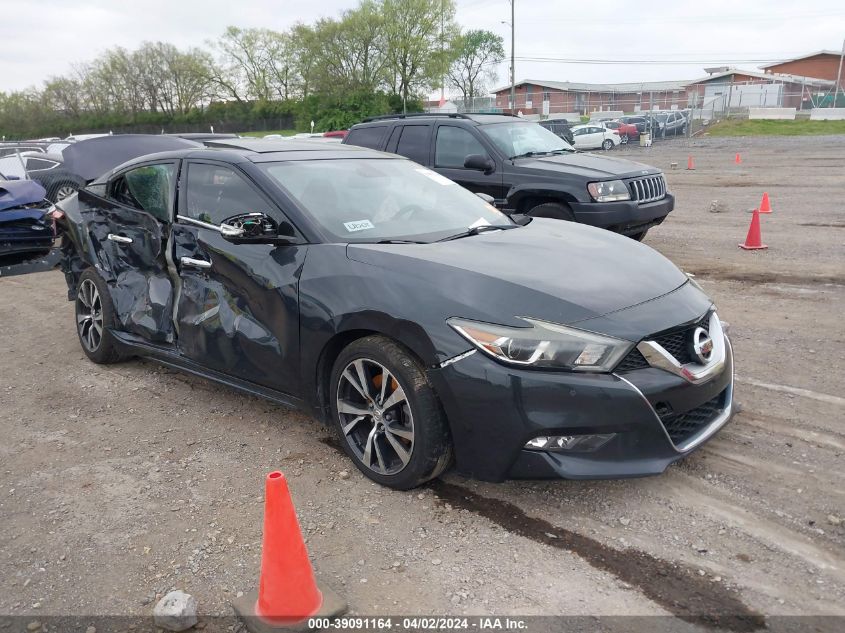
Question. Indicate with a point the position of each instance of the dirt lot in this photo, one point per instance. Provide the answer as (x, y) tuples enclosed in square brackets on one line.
[(119, 483)]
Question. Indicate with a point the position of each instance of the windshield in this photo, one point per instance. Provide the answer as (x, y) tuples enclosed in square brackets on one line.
[(524, 137), (374, 200)]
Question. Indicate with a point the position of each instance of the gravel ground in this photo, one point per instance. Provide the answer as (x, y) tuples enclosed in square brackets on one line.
[(120, 483)]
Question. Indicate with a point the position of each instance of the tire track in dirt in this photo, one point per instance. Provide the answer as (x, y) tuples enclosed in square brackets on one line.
[(769, 277), (673, 586), (692, 493)]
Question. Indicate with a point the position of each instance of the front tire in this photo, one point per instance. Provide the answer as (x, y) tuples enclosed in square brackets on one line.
[(388, 417), (607, 145), (94, 317), (554, 210)]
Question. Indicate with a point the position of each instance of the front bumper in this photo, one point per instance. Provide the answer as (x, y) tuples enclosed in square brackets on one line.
[(494, 410), (625, 217)]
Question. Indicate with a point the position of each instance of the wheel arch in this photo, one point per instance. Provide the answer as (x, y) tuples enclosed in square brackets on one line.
[(522, 200), (405, 333)]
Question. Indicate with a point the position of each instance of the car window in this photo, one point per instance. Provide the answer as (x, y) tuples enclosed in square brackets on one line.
[(413, 143), (148, 188), (40, 163), (453, 145), (518, 137), (369, 136), (368, 200), (216, 193)]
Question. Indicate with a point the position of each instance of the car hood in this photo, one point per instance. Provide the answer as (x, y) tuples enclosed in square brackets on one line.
[(588, 165), (551, 270), (16, 193)]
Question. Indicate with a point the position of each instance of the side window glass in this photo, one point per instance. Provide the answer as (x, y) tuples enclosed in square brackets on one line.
[(394, 139), (413, 143), (366, 136), (453, 145), (216, 193), (148, 188)]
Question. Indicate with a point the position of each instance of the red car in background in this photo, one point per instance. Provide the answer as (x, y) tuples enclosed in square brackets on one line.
[(625, 130)]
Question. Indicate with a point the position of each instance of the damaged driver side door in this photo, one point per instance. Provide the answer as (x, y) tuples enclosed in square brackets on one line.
[(237, 306)]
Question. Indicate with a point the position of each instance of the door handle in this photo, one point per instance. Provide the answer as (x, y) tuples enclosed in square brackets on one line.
[(120, 239), (195, 263)]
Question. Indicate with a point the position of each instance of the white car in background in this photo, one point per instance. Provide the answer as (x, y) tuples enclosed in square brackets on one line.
[(595, 136)]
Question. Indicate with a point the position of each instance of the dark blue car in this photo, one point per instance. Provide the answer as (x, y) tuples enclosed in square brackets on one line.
[(26, 221)]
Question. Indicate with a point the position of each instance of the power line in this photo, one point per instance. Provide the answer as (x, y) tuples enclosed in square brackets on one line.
[(658, 62)]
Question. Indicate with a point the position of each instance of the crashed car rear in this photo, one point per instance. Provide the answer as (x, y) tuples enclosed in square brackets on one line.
[(26, 221)]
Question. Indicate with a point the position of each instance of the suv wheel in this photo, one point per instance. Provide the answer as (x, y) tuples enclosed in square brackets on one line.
[(638, 236), (556, 210), (387, 414), (94, 317)]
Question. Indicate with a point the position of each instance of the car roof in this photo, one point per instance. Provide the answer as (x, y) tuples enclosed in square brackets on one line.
[(243, 150), (284, 146), (479, 118)]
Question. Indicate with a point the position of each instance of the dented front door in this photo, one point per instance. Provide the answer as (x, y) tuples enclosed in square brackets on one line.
[(237, 308)]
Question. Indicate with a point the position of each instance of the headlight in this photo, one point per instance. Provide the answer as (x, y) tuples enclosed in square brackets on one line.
[(544, 344), (609, 191)]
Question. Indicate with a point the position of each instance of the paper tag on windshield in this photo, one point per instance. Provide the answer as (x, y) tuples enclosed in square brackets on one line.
[(358, 225), (433, 175)]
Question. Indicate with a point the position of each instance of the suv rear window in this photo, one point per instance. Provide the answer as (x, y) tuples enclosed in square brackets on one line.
[(413, 143), (369, 136)]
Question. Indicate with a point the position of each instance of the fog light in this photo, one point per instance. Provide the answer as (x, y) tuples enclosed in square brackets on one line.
[(569, 443)]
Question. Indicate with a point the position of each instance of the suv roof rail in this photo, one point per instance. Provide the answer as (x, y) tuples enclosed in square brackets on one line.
[(452, 115)]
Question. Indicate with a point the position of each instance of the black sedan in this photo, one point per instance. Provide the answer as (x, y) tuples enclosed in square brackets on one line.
[(424, 325)]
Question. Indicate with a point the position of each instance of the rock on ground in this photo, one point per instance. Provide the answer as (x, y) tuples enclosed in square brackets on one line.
[(176, 611)]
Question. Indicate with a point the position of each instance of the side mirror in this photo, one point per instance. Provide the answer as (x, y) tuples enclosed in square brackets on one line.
[(479, 162), (487, 198), (257, 228)]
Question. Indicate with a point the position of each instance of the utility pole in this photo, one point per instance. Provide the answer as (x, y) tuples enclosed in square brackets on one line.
[(513, 58), (442, 60)]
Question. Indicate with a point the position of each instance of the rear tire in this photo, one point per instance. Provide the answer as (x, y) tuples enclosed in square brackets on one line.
[(555, 210), (388, 417), (62, 189), (94, 316)]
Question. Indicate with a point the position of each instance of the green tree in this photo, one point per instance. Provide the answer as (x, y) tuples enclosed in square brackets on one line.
[(418, 33), (476, 54)]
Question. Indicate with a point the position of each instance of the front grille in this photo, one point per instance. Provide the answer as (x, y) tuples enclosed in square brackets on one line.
[(682, 427), (647, 189), (675, 341), (634, 360)]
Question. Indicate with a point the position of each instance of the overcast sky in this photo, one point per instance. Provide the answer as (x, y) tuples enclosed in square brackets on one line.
[(41, 38)]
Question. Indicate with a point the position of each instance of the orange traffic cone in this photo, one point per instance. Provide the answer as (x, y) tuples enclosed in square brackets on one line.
[(690, 163), (287, 593), (737, 160), (764, 204), (754, 240)]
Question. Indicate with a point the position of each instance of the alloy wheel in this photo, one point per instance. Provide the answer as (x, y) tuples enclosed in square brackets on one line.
[(375, 416), (89, 315), (64, 191)]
